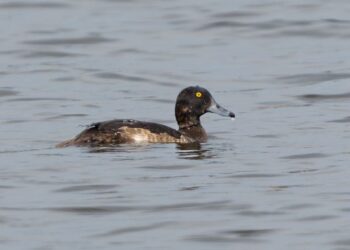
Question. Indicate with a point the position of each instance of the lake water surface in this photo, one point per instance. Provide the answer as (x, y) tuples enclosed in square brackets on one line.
[(276, 178)]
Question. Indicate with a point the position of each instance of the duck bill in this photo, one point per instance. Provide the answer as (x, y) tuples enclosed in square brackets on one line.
[(217, 109)]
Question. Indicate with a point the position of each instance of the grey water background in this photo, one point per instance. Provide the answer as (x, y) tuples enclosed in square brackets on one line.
[(276, 178)]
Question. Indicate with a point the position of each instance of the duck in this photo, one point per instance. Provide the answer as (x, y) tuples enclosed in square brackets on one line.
[(191, 103)]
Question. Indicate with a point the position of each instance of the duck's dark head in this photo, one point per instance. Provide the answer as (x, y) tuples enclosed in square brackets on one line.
[(192, 102)]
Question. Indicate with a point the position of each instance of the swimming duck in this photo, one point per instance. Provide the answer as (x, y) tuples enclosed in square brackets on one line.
[(191, 103)]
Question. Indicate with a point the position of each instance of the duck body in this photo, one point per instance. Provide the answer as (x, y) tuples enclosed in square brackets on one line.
[(191, 103), (115, 132)]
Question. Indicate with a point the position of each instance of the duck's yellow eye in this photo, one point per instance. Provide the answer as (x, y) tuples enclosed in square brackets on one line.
[(199, 94)]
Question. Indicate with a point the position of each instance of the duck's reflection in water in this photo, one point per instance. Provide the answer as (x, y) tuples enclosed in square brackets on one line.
[(191, 151), (120, 148), (194, 151)]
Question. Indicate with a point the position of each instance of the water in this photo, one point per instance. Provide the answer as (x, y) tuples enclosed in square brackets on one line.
[(276, 178)]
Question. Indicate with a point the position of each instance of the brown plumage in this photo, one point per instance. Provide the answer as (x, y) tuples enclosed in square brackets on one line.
[(126, 131), (191, 103)]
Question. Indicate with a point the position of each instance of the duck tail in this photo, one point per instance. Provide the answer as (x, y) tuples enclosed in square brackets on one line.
[(65, 144)]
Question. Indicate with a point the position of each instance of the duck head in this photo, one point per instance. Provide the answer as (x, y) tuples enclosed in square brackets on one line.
[(193, 102)]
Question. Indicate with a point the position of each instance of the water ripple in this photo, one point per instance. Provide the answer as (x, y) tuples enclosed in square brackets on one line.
[(26, 5), (343, 120), (247, 233), (312, 78), (320, 97), (324, 28), (64, 116), (304, 156), (108, 75), (87, 40), (7, 93), (80, 188), (236, 14), (34, 99), (222, 239), (84, 210), (255, 175), (135, 229), (53, 54)]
